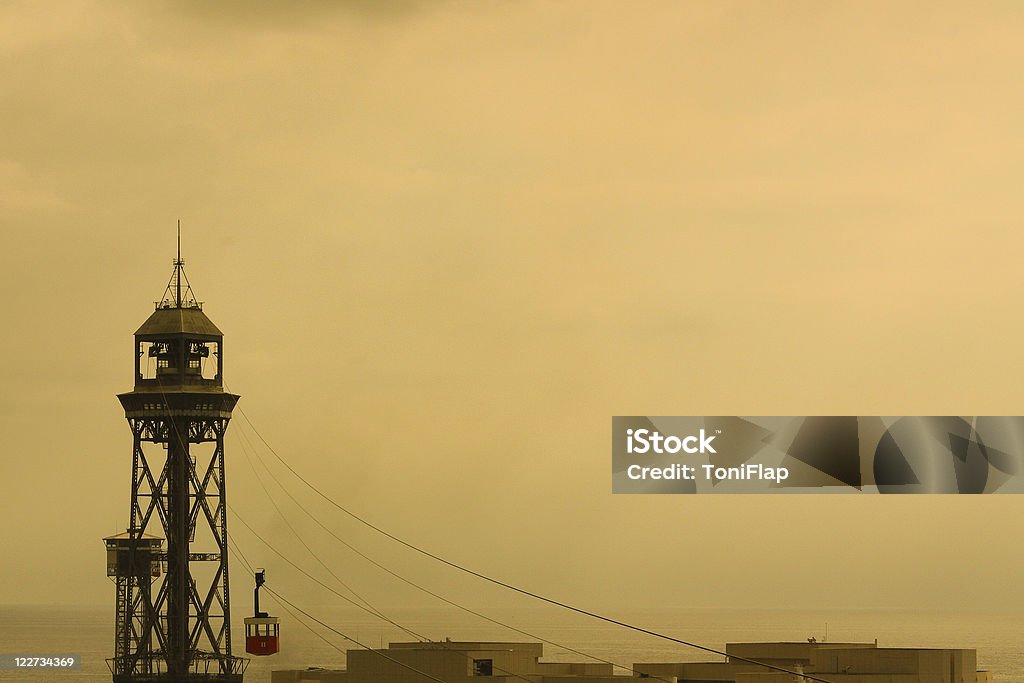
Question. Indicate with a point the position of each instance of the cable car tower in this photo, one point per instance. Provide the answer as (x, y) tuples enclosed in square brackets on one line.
[(175, 625)]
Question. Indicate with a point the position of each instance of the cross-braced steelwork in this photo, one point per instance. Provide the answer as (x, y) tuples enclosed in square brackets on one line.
[(173, 608)]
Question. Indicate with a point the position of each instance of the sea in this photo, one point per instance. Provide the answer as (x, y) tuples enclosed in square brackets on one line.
[(88, 632)]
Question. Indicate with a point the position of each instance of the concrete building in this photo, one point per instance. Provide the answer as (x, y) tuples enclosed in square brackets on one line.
[(450, 661), (468, 662), (795, 656)]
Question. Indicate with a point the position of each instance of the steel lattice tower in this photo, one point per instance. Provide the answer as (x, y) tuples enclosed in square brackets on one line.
[(175, 625)]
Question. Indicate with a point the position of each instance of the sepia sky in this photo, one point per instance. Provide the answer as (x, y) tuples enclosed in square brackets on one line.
[(447, 241)]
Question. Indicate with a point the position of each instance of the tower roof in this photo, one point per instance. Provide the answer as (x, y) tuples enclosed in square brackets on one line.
[(178, 312), (179, 321)]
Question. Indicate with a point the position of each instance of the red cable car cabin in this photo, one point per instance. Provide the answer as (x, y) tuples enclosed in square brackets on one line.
[(262, 635), (262, 631)]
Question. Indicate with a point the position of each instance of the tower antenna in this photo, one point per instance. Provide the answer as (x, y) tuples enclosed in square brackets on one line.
[(177, 266), (178, 293)]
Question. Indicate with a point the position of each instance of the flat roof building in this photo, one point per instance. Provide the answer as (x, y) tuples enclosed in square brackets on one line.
[(467, 662)]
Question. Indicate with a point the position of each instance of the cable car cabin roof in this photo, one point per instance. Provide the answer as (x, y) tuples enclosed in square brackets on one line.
[(261, 620), (168, 321)]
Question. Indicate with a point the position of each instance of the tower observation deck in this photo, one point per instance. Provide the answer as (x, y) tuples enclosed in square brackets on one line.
[(173, 611)]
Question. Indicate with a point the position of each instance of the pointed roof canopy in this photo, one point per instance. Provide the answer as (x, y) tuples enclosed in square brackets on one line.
[(178, 311), (178, 321)]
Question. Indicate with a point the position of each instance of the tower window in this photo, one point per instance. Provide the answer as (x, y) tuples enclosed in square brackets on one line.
[(483, 667)]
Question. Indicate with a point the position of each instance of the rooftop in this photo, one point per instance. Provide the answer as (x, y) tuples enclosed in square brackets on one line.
[(173, 320)]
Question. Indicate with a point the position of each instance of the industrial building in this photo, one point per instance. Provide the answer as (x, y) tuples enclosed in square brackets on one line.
[(467, 662)]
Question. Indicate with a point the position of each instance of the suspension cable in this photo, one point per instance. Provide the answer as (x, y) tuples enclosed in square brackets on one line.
[(373, 610), (517, 589), (433, 594)]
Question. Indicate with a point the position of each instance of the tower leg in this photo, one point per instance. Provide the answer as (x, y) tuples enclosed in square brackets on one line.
[(178, 595)]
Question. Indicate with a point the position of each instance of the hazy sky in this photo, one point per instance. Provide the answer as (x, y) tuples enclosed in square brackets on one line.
[(448, 241)]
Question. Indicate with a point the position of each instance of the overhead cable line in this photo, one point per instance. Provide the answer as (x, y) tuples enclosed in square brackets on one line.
[(318, 581), (433, 594), (373, 610), (517, 589)]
